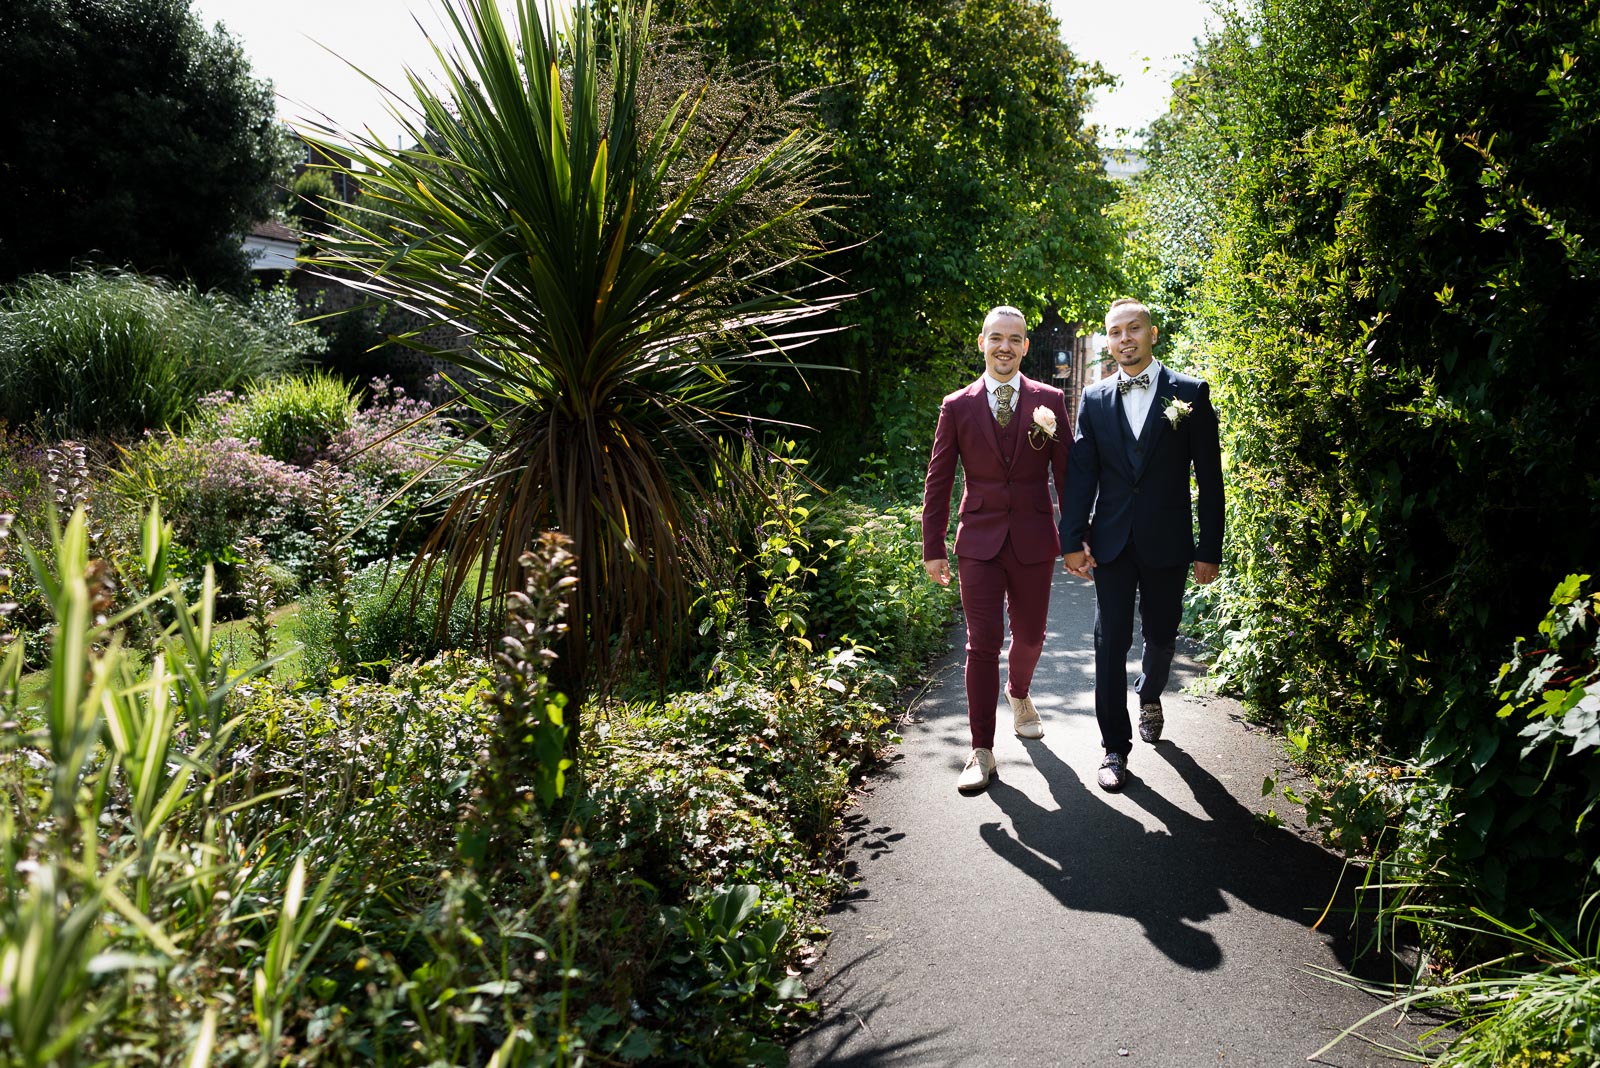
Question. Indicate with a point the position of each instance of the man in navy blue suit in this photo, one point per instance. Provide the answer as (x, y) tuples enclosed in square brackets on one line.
[(1130, 524)]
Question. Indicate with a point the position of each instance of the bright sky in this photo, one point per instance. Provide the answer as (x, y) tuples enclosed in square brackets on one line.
[(1142, 43), (289, 41)]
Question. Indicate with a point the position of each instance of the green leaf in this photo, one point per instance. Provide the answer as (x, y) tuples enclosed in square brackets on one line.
[(730, 908), (790, 988)]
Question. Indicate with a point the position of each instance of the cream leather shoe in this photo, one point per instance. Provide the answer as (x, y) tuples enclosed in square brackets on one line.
[(975, 776), (1025, 717)]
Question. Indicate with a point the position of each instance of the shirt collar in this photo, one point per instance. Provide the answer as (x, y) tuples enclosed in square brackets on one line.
[(991, 383)]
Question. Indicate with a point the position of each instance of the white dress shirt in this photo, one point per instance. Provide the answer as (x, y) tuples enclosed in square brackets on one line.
[(991, 384), (1136, 402)]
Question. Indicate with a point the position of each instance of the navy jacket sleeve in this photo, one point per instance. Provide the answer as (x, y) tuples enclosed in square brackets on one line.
[(1083, 482), (1206, 449)]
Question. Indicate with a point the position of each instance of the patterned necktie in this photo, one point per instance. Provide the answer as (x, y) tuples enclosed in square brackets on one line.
[(1002, 407), (1141, 381)]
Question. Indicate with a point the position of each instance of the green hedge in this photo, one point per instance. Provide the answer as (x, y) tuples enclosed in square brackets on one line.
[(1398, 319)]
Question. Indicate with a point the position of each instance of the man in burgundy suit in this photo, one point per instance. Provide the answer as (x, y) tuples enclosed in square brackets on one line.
[(1010, 436)]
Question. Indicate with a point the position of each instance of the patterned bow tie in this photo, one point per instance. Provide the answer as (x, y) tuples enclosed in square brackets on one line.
[(1141, 381)]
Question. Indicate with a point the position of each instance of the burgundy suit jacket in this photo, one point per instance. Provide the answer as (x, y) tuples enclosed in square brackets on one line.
[(999, 500)]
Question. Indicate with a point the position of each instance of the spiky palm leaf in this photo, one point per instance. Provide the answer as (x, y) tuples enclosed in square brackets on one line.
[(611, 252)]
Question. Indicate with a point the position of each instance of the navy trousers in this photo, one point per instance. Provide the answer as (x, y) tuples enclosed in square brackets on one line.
[(1158, 592)]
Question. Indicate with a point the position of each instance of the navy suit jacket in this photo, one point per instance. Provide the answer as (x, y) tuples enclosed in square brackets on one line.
[(1121, 488)]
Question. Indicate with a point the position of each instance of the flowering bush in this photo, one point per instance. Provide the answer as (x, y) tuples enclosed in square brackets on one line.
[(216, 492), (22, 477), (220, 482), (390, 440)]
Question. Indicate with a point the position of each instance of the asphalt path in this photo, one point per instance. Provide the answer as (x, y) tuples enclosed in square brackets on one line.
[(1046, 922)]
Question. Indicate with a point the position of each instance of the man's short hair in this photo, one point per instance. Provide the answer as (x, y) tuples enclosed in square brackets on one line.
[(1124, 302), (1004, 309)]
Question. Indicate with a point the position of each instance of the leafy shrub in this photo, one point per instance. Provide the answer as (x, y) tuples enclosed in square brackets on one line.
[(1523, 785), (902, 419), (1402, 192), (327, 839), (393, 448), (42, 484), (235, 835), (293, 418), (871, 587), (392, 438), (1400, 295), (779, 567), (740, 540), (770, 767), (385, 628), (217, 487), (741, 784), (730, 971), (107, 354), (1497, 812), (22, 473)]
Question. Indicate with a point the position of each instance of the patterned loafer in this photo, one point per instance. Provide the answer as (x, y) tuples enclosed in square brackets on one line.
[(1113, 772), (1150, 722)]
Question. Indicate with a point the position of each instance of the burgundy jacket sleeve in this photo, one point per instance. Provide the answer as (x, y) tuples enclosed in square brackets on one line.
[(937, 486)]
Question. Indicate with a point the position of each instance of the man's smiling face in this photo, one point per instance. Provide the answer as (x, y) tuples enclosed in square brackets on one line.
[(1004, 343), (1130, 337)]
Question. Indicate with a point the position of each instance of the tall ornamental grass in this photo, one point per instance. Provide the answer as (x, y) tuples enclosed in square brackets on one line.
[(109, 354)]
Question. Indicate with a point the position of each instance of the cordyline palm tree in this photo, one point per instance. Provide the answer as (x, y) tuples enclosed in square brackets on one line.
[(612, 240)]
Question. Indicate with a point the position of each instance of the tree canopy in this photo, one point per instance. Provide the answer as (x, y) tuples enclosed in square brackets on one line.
[(968, 176), (133, 137)]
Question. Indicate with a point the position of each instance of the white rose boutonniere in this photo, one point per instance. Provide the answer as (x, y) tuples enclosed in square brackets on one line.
[(1177, 410), (1043, 428)]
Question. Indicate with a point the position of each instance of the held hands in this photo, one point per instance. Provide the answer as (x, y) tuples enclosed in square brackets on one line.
[(1080, 563), (938, 571)]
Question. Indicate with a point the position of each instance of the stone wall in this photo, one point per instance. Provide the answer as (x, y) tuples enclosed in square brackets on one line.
[(353, 333)]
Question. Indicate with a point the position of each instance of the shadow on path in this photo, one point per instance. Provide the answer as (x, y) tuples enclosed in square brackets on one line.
[(1093, 858), (852, 1041)]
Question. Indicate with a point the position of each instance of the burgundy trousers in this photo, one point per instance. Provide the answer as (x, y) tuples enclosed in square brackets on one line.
[(991, 590)]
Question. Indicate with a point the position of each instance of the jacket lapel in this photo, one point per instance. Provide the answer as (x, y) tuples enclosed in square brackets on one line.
[(1155, 424), (978, 401)]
